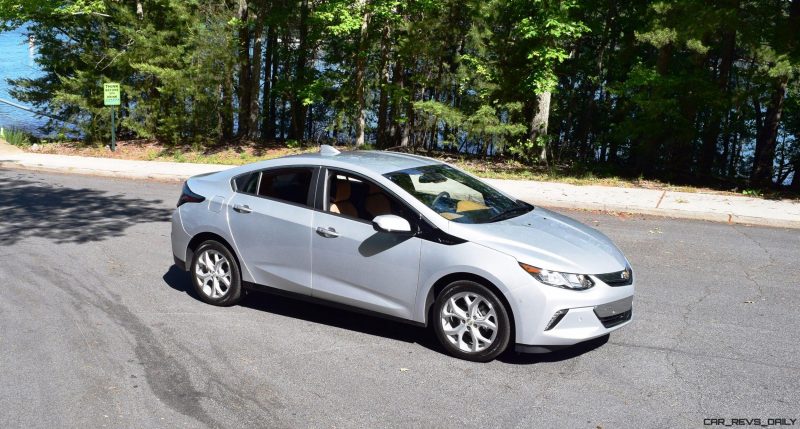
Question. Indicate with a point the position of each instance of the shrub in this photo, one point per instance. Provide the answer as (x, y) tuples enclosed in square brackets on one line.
[(16, 137)]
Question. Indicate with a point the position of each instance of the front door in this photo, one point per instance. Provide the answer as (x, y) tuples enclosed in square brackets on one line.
[(354, 264)]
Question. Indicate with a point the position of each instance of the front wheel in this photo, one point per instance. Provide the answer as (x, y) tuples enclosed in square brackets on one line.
[(215, 274), (471, 322)]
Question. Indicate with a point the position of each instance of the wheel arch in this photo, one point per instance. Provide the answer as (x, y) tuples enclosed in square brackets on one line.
[(198, 239), (439, 285)]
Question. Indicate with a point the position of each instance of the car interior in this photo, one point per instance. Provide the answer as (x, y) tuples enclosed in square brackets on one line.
[(451, 200), (289, 186), (353, 197)]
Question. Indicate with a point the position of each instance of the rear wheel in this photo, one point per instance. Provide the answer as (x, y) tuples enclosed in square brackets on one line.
[(471, 322), (215, 274)]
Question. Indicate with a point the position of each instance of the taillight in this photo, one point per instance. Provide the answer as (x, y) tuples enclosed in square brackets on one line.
[(187, 196)]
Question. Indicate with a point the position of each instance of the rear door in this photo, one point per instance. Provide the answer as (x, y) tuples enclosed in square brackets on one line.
[(354, 264), (270, 218)]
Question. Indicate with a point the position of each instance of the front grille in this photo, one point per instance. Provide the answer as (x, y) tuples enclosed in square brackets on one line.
[(618, 278), (617, 319)]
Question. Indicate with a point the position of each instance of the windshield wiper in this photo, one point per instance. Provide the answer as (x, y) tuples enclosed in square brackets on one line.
[(512, 212)]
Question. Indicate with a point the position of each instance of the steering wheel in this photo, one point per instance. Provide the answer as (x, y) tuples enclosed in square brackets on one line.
[(443, 194)]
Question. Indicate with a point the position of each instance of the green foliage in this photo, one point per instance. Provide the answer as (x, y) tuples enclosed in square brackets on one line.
[(676, 89), (16, 12), (16, 137)]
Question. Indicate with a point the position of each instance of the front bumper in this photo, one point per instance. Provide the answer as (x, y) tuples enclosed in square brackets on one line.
[(589, 314)]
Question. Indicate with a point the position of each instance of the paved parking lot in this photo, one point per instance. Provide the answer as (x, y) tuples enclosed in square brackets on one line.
[(97, 329)]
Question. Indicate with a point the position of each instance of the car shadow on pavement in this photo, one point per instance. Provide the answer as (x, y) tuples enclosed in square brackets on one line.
[(69, 215), (318, 313), (178, 279), (571, 352)]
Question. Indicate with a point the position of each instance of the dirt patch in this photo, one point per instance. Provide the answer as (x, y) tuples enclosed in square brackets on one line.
[(150, 150)]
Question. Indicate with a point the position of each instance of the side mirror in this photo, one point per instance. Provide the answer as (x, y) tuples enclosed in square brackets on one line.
[(390, 223)]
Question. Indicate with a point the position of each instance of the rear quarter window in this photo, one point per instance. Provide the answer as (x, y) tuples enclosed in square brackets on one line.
[(247, 183)]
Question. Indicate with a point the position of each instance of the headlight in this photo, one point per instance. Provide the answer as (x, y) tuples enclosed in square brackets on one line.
[(562, 280)]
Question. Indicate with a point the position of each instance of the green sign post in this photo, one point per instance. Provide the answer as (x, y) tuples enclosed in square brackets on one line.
[(111, 98)]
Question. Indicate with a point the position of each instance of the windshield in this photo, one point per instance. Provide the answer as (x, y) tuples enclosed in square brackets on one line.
[(457, 196)]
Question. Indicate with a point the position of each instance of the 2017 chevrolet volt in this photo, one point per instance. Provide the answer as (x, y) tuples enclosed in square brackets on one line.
[(405, 237)]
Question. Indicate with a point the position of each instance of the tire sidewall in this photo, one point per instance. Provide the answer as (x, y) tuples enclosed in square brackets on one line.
[(234, 291), (504, 324)]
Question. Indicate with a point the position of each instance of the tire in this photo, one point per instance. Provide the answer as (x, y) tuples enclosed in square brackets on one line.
[(215, 274), (466, 331)]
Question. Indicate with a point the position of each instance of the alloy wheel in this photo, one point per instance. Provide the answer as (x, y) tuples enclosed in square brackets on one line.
[(469, 322), (213, 273)]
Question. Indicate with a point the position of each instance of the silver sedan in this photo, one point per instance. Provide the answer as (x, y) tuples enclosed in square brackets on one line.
[(404, 237)]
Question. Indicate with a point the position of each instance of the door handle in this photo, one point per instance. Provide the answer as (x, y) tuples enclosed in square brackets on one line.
[(242, 208), (327, 232)]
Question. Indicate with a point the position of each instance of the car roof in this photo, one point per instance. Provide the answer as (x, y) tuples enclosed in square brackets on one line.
[(380, 162)]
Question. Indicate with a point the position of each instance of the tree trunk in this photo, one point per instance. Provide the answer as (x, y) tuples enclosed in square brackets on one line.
[(398, 83), (139, 10), (273, 96), (683, 134), (408, 126), (244, 70), (255, 80), (298, 110), (226, 116), (361, 55), (405, 136), (647, 150), (736, 148), (767, 138), (383, 98), (761, 175), (712, 129), (795, 186), (540, 116), (268, 99)]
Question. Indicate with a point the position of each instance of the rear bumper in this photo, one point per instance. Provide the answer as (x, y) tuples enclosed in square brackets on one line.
[(180, 263), (180, 240)]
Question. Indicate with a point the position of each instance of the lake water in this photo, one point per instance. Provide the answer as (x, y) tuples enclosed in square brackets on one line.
[(17, 59)]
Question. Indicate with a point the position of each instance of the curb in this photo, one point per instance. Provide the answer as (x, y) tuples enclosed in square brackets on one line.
[(729, 218), (162, 177)]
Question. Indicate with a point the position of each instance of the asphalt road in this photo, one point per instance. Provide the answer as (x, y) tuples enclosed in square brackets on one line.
[(97, 329)]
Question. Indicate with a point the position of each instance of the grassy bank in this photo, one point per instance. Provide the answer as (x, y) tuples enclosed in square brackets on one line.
[(488, 168)]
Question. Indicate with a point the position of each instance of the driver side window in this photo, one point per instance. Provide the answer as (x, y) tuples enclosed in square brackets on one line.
[(355, 197)]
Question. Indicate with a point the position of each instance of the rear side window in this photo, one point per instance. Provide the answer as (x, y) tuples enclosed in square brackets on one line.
[(290, 185)]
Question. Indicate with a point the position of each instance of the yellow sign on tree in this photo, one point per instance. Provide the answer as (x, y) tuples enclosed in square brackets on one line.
[(111, 94)]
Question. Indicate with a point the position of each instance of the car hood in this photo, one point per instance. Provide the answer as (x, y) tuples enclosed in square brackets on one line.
[(548, 240)]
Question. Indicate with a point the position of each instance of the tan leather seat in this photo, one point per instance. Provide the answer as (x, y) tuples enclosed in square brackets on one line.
[(376, 202), (340, 199), (468, 206)]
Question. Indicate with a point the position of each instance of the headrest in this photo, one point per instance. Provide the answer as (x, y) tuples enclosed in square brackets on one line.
[(341, 190), (374, 189)]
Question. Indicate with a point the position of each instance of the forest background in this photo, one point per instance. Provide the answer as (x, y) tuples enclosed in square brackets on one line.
[(686, 91)]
